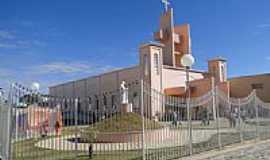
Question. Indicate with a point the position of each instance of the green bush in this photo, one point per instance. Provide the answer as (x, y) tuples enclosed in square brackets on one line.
[(89, 135), (126, 122)]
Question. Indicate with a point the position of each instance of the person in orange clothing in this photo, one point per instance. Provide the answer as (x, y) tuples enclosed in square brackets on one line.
[(58, 127), (58, 123)]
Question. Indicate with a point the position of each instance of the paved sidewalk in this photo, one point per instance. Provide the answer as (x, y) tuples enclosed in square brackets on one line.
[(249, 151), (160, 139)]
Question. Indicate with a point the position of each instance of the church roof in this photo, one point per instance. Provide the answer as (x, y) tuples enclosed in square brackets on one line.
[(152, 43), (219, 58), (251, 76)]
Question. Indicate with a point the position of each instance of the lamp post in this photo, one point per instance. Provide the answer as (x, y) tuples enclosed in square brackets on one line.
[(187, 61), (35, 87)]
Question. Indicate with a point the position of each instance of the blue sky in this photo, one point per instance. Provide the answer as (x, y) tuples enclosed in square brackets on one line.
[(54, 41)]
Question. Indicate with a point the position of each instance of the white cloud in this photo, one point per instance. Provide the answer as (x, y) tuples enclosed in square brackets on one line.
[(29, 43), (4, 72), (51, 73), (8, 45), (22, 44), (6, 35), (265, 25), (10, 40), (38, 43), (62, 67), (69, 67), (261, 29), (26, 23)]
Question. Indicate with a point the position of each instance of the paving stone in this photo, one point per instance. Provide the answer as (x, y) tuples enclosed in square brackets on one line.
[(258, 152)]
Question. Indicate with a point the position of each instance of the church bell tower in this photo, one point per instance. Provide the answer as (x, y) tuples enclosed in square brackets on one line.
[(176, 39), (217, 68)]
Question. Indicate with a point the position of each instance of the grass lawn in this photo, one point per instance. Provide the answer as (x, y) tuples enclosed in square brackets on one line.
[(123, 123), (26, 150)]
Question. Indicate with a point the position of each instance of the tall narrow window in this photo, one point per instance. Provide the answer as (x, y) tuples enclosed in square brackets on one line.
[(145, 65), (97, 102), (113, 101), (89, 103), (79, 109), (65, 103), (223, 72), (104, 100), (156, 63), (135, 100)]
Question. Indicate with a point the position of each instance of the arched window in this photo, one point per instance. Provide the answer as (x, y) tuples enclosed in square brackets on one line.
[(156, 63)]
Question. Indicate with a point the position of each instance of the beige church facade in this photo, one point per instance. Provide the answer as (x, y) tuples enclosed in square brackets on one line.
[(159, 67)]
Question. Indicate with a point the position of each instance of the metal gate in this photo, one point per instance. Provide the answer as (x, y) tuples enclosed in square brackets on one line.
[(67, 128), (133, 123), (187, 126)]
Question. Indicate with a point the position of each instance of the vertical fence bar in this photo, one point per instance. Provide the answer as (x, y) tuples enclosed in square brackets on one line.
[(218, 117), (189, 113), (257, 116), (11, 125), (5, 128), (76, 126), (214, 99), (216, 110), (142, 115), (240, 121)]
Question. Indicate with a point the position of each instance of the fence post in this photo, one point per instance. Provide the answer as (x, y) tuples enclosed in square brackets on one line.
[(12, 123), (5, 126), (218, 119), (214, 99), (240, 121), (189, 116), (142, 115), (216, 111), (76, 126), (257, 116), (10, 131)]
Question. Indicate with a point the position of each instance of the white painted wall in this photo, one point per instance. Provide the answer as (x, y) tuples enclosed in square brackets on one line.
[(177, 77)]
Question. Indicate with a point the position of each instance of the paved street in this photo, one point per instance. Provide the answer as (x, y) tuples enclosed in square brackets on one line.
[(252, 151), (256, 152)]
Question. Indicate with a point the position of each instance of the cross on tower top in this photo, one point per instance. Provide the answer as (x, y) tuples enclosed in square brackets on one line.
[(166, 4)]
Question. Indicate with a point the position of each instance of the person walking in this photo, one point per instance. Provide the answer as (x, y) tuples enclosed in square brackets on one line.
[(58, 127)]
